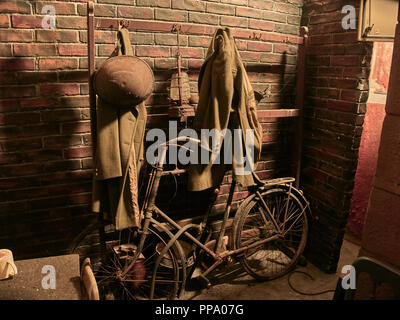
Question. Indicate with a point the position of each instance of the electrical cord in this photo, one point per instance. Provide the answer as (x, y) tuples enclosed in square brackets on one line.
[(306, 293)]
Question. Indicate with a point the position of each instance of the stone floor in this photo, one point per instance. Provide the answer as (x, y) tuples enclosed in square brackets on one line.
[(235, 284)]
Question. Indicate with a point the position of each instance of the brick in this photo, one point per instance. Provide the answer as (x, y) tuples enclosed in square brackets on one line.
[(285, 28), (143, 51), (26, 21), (75, 102), (8, 105), (261, 25), (73, 76), (191, 5), (280, 48), (16, 35), (71, 22), (21, 144), (189, 52), (82, 152), (153, 3), (273, 37), (62, 141), (237, 2), (57, 63), (60, 8), (60, 115), (330, 49), (203, 18), (5, 50), (295, 40), (329, 93), (21, 170), (261, 4), (296, 20), (318, 60), (348, 37), (170, 15), (30, 50), (220, 8), (234, 22), (326, 17), (286, 8), (100, 10), (321, 39), (345, 60), (169, 39), (56, 36), (32, 77), (326, 28), (59, 89), (105, 50), (142, 38), (343, 83), (20, 118), (354, 95), (99, 37), (343, 106), (15, 7), (274, 16), (271, 58), (115, 1), (76, 127), (249, 12), (4, 21), (135, 12), (164, 64), (249, 56), (72, 50), (199, 42), (259, 46), (17, 64), (37, 103)]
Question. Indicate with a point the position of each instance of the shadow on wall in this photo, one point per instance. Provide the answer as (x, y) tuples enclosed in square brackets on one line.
[(45, 164)]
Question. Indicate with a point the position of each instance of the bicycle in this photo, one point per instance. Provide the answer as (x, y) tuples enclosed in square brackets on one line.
[(155, 261)]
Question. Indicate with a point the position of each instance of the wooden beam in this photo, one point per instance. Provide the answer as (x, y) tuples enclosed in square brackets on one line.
[(278, 113), (91, 67)]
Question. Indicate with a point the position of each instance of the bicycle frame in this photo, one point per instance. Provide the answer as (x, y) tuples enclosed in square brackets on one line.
[(218, 254)]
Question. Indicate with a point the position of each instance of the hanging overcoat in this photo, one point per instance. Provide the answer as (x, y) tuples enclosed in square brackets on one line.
[(226, 100), (119, 160)]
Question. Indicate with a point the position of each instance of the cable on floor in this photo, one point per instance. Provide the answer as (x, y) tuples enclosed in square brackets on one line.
[(306, 293)]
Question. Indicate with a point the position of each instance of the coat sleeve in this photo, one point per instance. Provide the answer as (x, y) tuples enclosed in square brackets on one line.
[(108, 155)]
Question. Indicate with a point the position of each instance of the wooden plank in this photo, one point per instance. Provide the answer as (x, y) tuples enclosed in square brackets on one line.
[(301, 72), (278, 113), (91, 67)]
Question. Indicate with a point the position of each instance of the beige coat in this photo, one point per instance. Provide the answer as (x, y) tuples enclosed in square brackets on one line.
[(119, 160), (226, 99)]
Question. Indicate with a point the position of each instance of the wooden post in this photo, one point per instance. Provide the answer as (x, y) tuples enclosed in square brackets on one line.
[(91, 65), (300, 86)]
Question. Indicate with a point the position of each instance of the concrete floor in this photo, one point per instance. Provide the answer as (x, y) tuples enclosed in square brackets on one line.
[(235, 284)]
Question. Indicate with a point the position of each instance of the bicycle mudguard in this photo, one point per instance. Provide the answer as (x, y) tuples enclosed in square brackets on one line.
[(281, 182)]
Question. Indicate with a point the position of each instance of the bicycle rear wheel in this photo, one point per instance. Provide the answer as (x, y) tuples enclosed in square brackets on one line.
[(279, 255), (108, 265)]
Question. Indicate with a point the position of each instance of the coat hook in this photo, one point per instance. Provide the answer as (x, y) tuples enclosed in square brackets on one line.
[(124, 23)]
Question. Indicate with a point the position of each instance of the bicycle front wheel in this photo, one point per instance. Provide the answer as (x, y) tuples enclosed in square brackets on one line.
[(280, 217), (119, 254)]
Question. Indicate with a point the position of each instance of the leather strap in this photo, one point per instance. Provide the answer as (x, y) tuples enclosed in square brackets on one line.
[(124, 43)]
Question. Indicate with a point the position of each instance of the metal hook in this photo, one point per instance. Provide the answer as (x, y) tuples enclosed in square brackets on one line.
[(124, 23)]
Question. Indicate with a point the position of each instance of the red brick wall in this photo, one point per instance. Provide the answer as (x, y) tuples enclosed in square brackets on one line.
[(337, 91), (45, 155)]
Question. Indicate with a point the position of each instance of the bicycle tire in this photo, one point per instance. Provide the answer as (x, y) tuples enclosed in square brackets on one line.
[(108, 263), (279, 256)]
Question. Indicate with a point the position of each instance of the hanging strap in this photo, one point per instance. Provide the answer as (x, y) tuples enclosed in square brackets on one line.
[(124, 43)]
